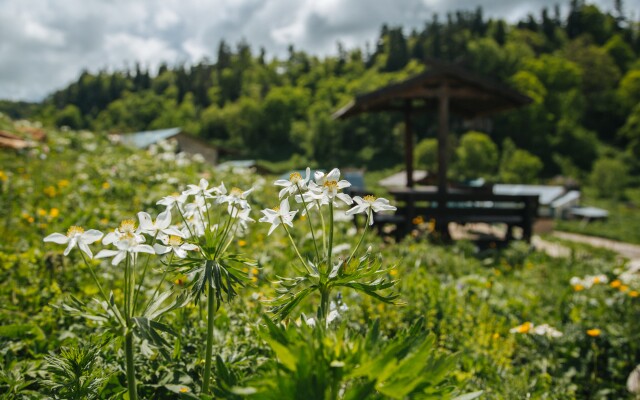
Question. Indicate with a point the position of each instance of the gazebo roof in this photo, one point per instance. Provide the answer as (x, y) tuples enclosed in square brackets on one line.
[(470, 95)]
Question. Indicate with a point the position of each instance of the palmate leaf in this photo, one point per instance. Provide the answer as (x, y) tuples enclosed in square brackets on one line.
[(221, 276), (150, 330), (155, 309)]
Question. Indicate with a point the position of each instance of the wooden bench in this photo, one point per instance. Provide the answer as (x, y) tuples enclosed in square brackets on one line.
[(462, 207)]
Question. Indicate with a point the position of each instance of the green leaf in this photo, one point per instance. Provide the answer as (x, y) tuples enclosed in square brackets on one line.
[(285, 357), (470, 396)]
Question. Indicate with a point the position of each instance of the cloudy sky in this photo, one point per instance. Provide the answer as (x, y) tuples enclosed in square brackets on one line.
[(44, 44)]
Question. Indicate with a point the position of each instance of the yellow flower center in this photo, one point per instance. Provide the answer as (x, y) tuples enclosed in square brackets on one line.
[(236, 192), (596, 280), (128, 226), (175, 240), (295, 177), (524, 328), (183, 390), (74, 230), (594, 332), (369, 198), (331, 185), (276, 208), (578, 287)]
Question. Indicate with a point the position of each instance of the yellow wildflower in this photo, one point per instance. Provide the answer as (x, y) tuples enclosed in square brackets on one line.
[(616, 284), (594, 332), (634, 293), (524, 328), (105, 185), (3, 176), (495, 336), (42, 212), (418, 220), (50, 191), (54, 212), (393, 272), (242, 243), (63, 183), (624, 288)]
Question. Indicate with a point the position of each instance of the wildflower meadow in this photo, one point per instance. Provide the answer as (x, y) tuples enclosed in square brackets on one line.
[(131, 274)]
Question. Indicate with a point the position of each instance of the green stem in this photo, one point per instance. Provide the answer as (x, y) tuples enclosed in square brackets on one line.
[(324, 304), (295, 247), (128, 336), (324, 231), (104, 296), (313, 235), (144, 273), (211, 309), (366, 226), (164, 275), (330, 250), (131, 372)]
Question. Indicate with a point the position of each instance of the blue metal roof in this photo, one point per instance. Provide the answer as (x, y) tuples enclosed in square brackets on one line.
[(547, 193), (145, 139)]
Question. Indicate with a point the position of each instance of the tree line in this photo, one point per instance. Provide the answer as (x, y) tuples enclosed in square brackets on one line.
[(582, 71)]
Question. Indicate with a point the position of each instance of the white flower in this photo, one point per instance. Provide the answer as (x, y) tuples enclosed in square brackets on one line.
[(278, 215), (201, 189), (547, 330), (633, 381), (172, 200), (125, 246), (329, 184), (236, 197), (161, 225), (76, 236), (126, 230), (370, 203), (311, 200), (294, 184), (175, 244)]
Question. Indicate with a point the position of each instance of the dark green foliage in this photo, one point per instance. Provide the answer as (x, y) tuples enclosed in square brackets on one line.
[(578, 68)]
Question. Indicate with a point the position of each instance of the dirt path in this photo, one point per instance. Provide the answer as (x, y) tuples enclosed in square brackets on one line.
[(626, 250)]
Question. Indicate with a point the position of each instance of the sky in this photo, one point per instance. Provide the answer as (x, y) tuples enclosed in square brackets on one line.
[(45, 44)]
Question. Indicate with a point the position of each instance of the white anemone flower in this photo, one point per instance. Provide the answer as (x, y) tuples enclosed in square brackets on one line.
[(126, 245), (329, 184), (547, 330), (294, 184), (171, 200), (236, 197), (127, 230), (175, 244), (278, 215), (201, 188), (370, 203), (312, 199), (162, 224), (76, 236)]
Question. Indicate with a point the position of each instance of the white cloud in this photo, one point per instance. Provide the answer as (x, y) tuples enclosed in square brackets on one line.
[(46, 43)]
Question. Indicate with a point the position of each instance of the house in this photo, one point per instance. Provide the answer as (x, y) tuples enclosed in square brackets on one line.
[(186, 143)]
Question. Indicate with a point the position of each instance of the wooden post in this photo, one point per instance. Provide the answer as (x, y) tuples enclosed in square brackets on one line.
[(442, 226), (408, 143), (443, 131)]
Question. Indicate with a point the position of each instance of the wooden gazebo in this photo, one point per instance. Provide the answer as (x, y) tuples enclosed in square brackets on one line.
[(445, 88)]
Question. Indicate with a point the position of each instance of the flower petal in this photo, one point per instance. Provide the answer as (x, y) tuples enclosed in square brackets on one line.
[(58, 238), (91, 236)]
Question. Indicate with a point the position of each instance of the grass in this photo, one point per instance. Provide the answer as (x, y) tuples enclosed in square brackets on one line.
[(623, 222)]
